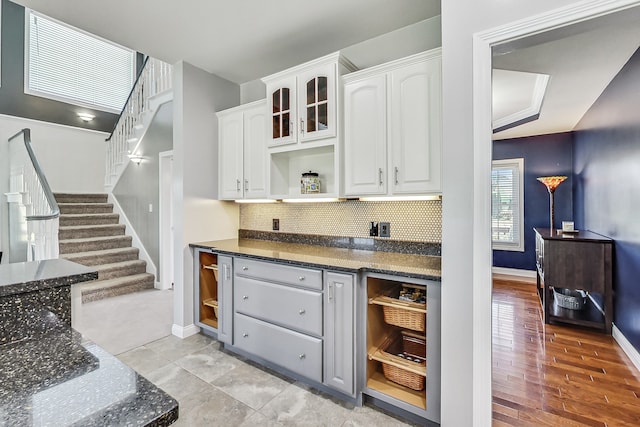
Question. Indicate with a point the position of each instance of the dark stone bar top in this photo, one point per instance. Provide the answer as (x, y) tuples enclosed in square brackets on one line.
[(59, 380), (351, 260), (22, 277), (48, 374)]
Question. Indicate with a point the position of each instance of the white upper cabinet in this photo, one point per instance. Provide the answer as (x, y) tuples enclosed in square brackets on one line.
[(281, 95), (365, 137), (303, 100), (242, 152), (416, 127), (393, 134), (317, 101)]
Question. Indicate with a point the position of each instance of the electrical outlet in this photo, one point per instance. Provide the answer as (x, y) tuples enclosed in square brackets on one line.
[(373, 229), (385, 229), (275, 222)]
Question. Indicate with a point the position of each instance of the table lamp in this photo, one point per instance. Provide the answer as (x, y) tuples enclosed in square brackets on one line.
[(551, 182)]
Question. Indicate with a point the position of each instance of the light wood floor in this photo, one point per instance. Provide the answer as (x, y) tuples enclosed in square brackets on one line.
[(549, 375)]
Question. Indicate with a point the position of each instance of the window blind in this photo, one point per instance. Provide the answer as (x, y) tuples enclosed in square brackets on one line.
[(507, 206), (70, 65)]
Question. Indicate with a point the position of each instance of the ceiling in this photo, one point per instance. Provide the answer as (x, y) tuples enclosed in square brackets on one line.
[(238, 40), (244, 40), (581, 60)]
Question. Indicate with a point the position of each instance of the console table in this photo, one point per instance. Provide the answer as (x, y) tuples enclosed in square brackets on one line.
[(580, 260)]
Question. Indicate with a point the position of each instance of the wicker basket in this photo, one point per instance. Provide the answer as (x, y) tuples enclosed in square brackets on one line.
[(404, 318), (409, 347), (569, 298)]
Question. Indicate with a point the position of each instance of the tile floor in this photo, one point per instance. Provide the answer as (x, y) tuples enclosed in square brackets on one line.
[(214, 387)]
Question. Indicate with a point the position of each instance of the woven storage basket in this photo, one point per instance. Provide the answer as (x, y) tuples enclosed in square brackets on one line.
[(404, 318), (569, 298), (409, 346)]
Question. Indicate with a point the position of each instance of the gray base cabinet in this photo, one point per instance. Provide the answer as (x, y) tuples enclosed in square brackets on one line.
[(213, 280), (326, 326), (225, 299), (339, 332)]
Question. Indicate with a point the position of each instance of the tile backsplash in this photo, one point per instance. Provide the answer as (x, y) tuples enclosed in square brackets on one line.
[(417, 221)]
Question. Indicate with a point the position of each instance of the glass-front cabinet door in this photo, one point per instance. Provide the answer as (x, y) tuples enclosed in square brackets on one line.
[(317, 104), (282, 105)]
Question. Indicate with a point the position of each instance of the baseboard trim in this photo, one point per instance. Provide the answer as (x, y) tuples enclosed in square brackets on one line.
[(626, 346), (527, 276), (136, 242), (184, 331)]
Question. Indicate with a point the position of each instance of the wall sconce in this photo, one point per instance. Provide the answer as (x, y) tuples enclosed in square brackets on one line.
[(551, 182), (135, 158), (86, 117)]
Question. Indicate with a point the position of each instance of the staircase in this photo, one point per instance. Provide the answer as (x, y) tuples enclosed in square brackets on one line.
[(90, 235)]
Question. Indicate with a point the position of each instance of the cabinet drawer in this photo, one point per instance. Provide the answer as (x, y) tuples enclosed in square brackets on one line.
[(295, 351), (287, 306), (297, 276)]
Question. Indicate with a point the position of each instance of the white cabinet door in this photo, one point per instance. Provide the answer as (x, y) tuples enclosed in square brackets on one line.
[(255, 153), (225, 299), (365, 134), (317, 103), (416, 127), (283, 120), (339, 332), (230, 151)]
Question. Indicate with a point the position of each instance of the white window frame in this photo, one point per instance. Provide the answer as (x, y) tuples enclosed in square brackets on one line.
[(27, 46), (517, 246)]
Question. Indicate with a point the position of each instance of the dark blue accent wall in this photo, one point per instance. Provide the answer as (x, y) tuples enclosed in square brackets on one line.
[(607, 186), (543, 155)]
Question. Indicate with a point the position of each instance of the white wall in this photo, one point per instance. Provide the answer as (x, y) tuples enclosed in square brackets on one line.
[(414, 38), (65, 153), (197, 215), (71, 158), (466, 245)]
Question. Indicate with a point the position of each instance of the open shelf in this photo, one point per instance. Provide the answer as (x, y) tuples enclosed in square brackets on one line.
[(589, 316), (378, 382), (287, 168), (208, 295), (380, 334)]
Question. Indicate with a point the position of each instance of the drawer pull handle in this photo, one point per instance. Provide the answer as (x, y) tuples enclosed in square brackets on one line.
[(245, 297), (301, 278), (245, 268), (245, 335), (301, 311), (302, 356)]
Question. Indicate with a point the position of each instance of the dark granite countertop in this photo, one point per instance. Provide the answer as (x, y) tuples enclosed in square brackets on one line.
[(59, 380), (21, 277), (351, 260)]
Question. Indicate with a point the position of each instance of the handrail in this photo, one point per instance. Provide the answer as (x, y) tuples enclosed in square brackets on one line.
[(51, 200), (133, 88)]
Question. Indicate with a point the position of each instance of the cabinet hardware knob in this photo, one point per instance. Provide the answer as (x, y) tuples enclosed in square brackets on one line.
[(245, 335), (246, 185), (237, 185), (245, 268), (245, 297), (396, 175), (302, 356), (302, 126), (301, 278), (302, 311), (380, 176)]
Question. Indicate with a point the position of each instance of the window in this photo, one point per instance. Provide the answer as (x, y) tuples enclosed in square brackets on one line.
[(507, 205), (69, 65)]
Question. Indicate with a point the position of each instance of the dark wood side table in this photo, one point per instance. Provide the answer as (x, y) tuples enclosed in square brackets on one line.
[(581, 260)]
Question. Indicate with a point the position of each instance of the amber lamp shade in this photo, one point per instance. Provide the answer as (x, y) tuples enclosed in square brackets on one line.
[(551, 182)]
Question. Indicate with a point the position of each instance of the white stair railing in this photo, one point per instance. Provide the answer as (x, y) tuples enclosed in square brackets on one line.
[(33, 211), (154, 79)]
